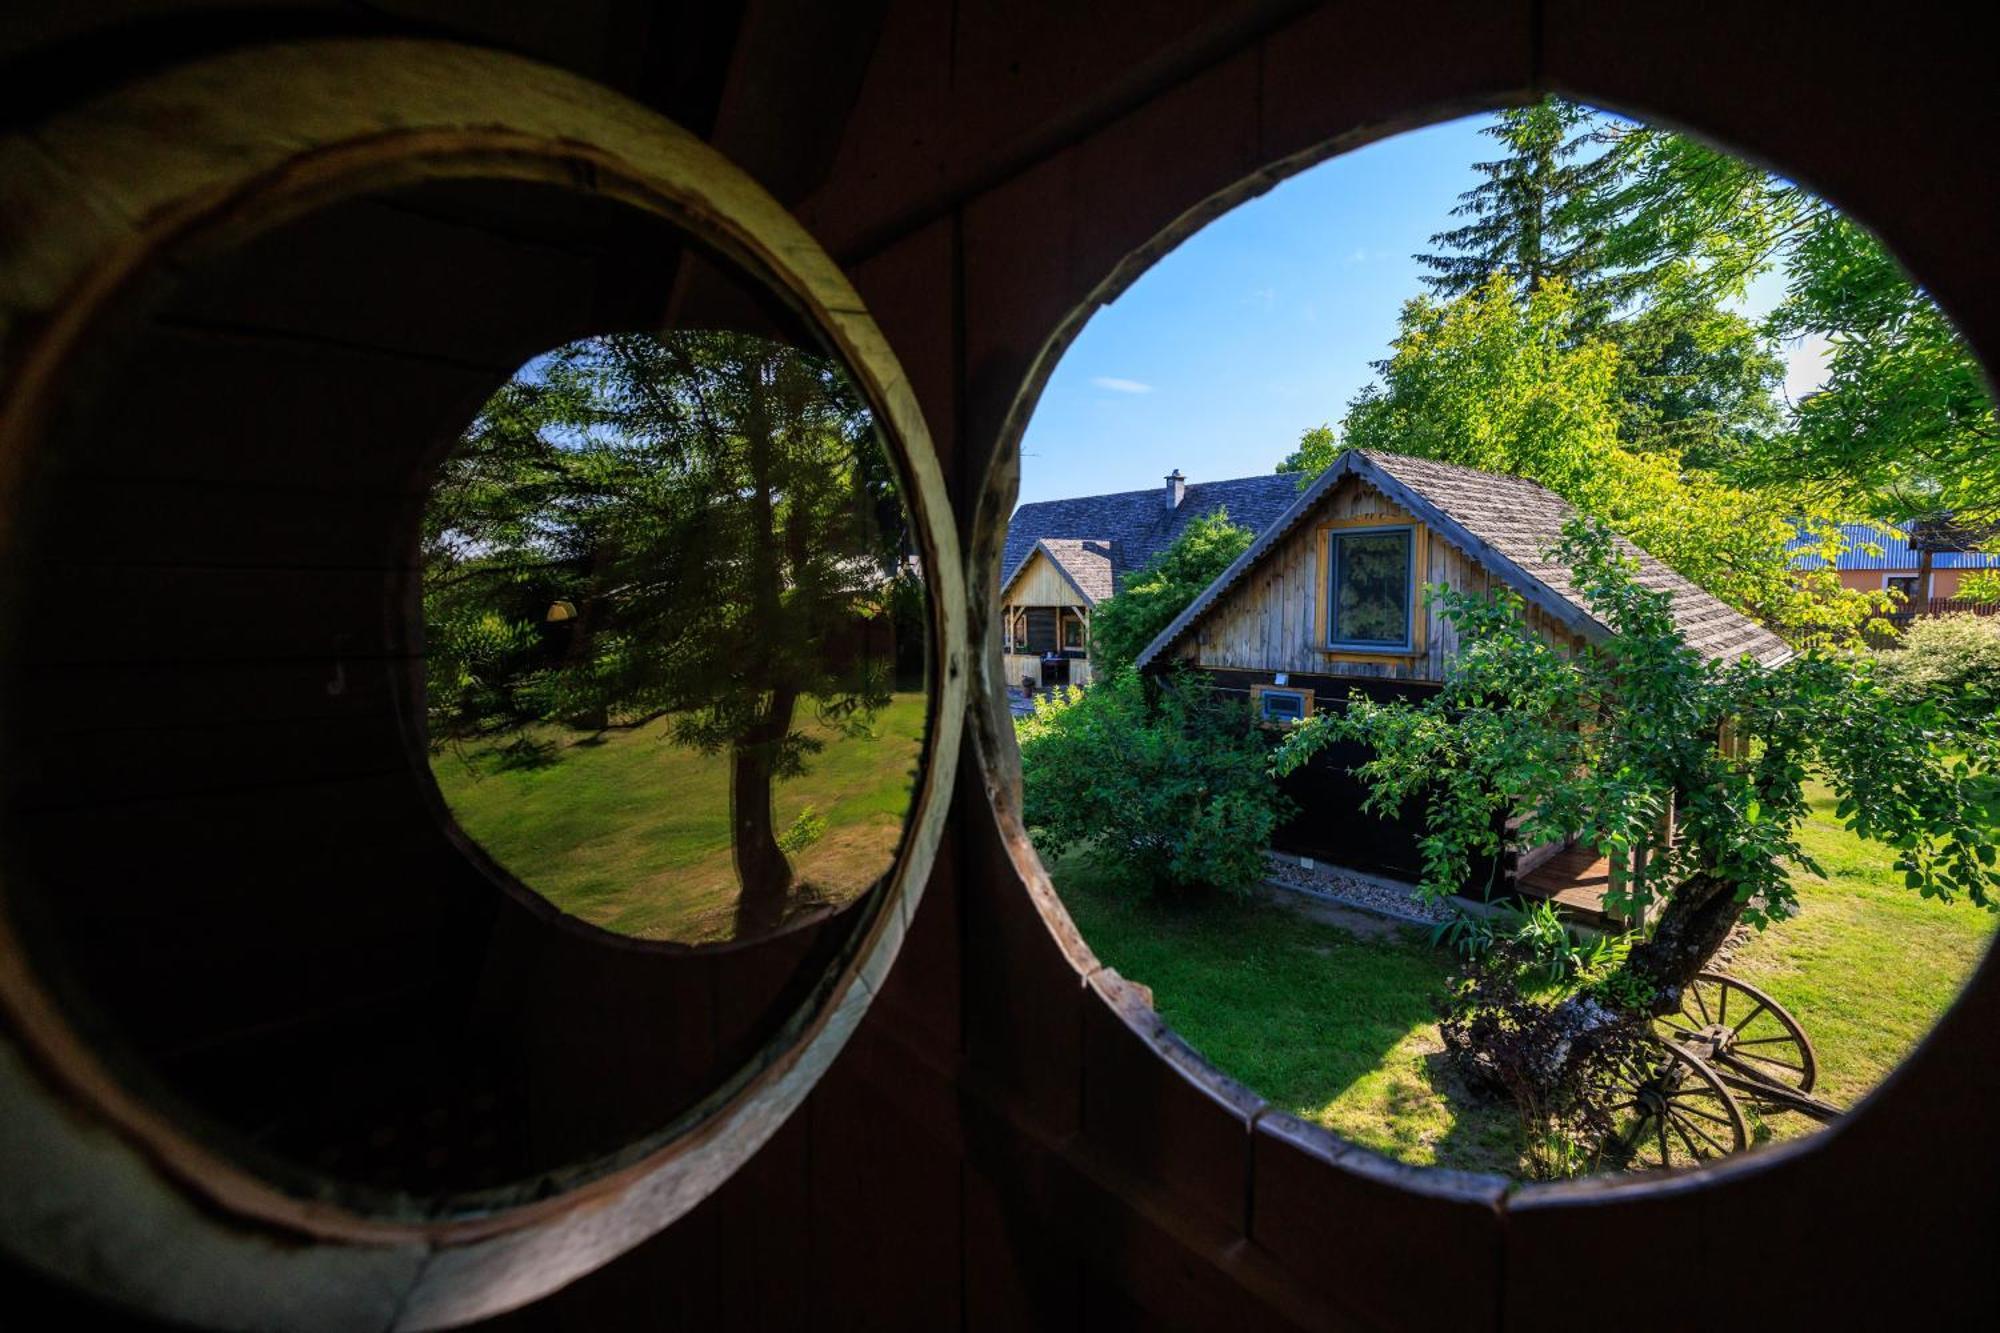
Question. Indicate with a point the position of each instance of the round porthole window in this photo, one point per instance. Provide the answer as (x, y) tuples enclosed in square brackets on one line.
[(482, 621)]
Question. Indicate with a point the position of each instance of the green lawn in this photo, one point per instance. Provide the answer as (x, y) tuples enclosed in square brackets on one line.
[(1339, 1027), (632, 832)]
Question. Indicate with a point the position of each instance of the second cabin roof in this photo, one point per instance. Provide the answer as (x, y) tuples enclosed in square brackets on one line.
[(1506, 524)]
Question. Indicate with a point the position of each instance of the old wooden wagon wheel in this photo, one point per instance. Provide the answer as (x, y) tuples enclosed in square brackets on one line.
[(1671, 1109), (1741, 1031)]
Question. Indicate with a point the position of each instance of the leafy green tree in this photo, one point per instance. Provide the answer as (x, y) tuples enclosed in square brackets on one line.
[(1980, 586), (1318, 446), (1904, 427), (1564, 205), (1603, 743), (688, 525), (1506, 383), (1122, 626), (1175, 788)]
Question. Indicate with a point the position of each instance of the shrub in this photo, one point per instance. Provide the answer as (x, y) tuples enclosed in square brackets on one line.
[(1953, 660), (1554, 1059), (807, 829), (1172, 780)]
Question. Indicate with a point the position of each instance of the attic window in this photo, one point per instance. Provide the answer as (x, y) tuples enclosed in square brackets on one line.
[(1371, 589)]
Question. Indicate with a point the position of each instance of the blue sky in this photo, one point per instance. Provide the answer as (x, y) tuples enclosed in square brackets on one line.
[(1262, 325)]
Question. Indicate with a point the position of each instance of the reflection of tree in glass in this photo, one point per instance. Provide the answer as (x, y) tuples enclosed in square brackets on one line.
[(692, 525), (1374, 588)]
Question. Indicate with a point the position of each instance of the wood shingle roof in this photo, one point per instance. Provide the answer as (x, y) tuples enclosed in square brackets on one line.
[(1507, 524)]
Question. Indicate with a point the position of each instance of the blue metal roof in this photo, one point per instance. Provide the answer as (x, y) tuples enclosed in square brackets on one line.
[(1894, 544)]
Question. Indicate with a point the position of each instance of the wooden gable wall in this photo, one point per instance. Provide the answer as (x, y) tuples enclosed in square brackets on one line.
[(1040, 583), (1269, 621)]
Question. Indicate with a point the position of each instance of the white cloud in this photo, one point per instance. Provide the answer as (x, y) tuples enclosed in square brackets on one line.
[(1116, 385)]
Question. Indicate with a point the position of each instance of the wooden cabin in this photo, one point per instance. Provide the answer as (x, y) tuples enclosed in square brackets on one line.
[(1330, 599), (1045, 611), (1063, 557)]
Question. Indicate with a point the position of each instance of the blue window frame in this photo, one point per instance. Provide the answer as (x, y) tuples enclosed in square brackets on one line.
[(1371, 593), (1281, 705)]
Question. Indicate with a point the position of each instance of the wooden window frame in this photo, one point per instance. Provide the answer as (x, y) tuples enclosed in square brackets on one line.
[(1257, 693), (1414, 642)]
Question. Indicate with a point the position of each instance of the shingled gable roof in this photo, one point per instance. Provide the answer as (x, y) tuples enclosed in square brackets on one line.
[(1505, 523), (1135, 526), (1086, 565)]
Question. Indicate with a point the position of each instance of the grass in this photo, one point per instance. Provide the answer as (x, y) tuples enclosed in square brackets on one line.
[(1867, 966), (632, 832), (1337, 1023), (1335, 1026)]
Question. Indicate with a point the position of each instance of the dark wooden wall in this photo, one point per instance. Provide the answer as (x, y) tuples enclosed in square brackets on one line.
[(1011, 1140)]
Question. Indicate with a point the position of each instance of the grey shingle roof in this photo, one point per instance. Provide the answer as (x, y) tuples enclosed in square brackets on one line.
[(1505, 523), (1135, 526)]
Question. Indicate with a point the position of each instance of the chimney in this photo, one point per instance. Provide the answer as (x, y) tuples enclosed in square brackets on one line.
[(1176, 488)]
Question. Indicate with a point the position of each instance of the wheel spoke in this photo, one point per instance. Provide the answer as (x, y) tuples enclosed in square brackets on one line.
[(1693, 1151), (1746, 1022), (1767, 1060), (1683, 1129), (1787, 1039), (1694, 989), (1713, 1119)]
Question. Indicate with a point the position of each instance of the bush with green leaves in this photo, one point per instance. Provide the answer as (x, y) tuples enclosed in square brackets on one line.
[(1122, 626), (1982, 587), (1953, 660), (1170, 779), (1553, 1062)]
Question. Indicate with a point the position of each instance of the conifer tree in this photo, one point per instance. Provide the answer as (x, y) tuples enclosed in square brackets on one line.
[(1532, 218)]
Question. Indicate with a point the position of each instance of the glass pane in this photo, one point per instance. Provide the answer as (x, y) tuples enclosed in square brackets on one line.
[(675, 634), (1372, 588), (1283, 706)]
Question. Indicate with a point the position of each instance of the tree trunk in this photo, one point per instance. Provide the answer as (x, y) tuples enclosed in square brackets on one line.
[(761, 865), (1698, 918)]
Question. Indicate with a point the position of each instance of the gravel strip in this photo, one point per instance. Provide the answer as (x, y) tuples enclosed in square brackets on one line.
[(1362, 892)]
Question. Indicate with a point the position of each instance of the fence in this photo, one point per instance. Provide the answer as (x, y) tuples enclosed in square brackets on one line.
[(1938, 606)]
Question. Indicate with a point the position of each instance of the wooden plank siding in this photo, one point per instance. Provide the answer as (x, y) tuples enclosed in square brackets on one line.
[(1271, 621), (1040, 583)]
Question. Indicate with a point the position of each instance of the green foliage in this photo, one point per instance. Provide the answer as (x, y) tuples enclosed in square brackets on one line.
[(1176, 788), (690, 525), (803, 832), (1530, 221), (1318, 447), (1509, 384), (1953, 661), (1656, 233), (1597, 742), (1904, 426), (1982, 586), (1465, 934), (1554, 1061), (1122, 626)]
